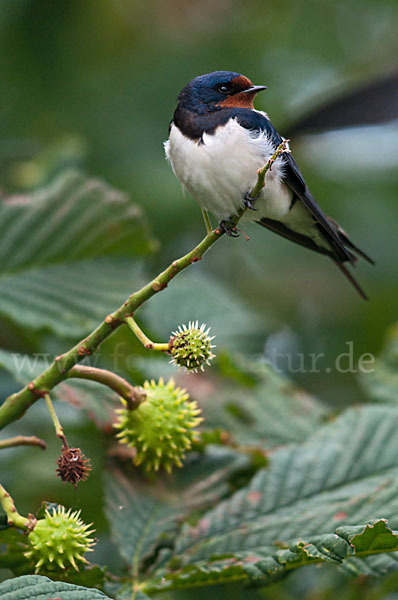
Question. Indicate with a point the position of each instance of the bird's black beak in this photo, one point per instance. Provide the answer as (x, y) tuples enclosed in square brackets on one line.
[(255, 89)]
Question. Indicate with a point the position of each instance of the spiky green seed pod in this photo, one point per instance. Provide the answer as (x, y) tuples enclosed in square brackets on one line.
[(191, 347), (161, 429), (59, 540)]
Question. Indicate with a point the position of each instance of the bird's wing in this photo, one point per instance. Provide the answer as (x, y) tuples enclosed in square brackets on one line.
[(341, 247), (294, 180), (340, 244), (294, 236)]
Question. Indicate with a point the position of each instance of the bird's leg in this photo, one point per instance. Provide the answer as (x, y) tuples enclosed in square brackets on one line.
[(249, 202), (206, 219), (229, 228)]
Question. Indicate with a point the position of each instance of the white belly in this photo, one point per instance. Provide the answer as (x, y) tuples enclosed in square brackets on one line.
[(220, 170)]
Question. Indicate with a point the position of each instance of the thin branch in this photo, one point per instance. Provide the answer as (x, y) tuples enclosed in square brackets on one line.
[(134, 396), (145, 341), (261, 173), (206, 219), (16, 405), (13, 516), (23, 440), (57, 425)]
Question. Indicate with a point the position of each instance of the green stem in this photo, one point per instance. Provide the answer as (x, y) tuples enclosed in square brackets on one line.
[(23, 440), (13, 516), (133, 396), (15, 405), (206, 219), (58, 427), (145, 341)]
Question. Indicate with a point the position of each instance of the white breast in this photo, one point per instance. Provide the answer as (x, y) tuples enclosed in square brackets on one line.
[(220, 170)]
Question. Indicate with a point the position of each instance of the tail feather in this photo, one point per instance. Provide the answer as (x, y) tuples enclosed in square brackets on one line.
[(350, 278), (335, 253), (357, 250), (347, 243)]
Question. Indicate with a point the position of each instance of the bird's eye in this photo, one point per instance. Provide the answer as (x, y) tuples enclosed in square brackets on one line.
[(223, 88)]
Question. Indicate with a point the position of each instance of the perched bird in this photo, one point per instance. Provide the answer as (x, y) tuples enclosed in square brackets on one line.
[(218, 141)]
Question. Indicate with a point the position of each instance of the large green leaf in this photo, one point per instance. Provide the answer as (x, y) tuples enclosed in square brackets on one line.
[(70, 299), (74, 217), (143, 514), (344, 475), (341, 547), (60, 252), (137, 517), (37, 587)]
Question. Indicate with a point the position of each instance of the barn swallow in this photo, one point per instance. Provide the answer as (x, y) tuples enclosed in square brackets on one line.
[(218, 141)]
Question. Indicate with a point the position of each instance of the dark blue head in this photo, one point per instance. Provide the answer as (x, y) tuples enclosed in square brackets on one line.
[(217, 90)]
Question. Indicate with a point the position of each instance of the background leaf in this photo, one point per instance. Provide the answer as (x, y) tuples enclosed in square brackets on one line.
[(37, 587), (94, 85), (247, 399), (72, 218), (69, 299), (344, 474), (344, 544), (22, 367), (142, 513), (269, 410), (205, 300), (98, 401), (60, 254)]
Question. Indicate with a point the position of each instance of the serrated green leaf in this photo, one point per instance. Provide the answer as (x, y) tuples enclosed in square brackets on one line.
[(345, 473), (314, 502), (60, 250), (373, 566), (375, 537), (73, 218), (137, 517), (344, 544), (142, 514), (37, 587), (70, 299)]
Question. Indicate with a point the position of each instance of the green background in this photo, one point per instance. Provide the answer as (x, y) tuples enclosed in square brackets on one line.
[(93, 85)]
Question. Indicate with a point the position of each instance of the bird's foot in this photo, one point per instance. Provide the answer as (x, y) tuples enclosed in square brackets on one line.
[(229, 228), (249, 202)]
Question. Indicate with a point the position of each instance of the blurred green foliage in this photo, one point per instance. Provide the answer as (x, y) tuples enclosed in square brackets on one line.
[(92, 85)]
